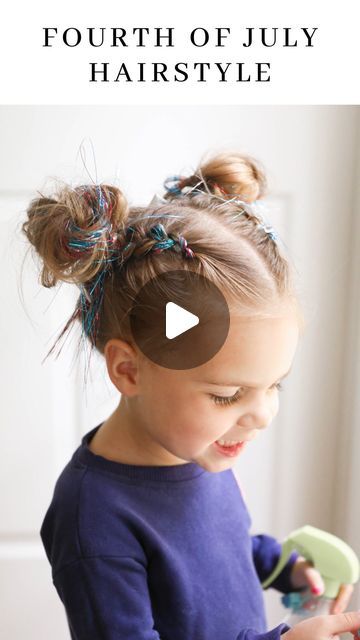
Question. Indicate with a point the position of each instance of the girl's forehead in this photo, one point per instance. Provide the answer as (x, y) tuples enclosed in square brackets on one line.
[(255, 351), (244, 330)]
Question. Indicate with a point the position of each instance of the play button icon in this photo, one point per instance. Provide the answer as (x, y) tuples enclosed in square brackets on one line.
[(179, 319)]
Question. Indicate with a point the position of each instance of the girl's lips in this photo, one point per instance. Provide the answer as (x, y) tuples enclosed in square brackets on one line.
[(230, 451)]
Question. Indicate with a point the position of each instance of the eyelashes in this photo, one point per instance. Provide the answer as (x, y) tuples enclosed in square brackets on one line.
[(227, 400)]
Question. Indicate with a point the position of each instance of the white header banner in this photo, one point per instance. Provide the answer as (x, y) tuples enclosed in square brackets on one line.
[(233, 52)]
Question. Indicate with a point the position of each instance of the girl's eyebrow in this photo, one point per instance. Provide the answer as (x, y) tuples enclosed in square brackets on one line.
[(243, 384)]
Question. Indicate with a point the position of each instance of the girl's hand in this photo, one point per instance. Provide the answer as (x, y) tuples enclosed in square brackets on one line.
[(303, 574), (325, 627)]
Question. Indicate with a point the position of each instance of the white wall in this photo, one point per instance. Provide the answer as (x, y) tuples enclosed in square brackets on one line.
[(301, 470)]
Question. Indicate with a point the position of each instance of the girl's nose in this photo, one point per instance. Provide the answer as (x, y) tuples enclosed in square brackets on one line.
[(258, 415)]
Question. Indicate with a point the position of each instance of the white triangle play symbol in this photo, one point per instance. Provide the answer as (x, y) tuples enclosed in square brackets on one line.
[(178, 320)]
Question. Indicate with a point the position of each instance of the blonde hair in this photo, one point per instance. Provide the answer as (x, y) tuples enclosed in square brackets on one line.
[(82, 234)]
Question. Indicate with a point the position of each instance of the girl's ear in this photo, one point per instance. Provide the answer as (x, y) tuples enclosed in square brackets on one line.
[(123, 366)]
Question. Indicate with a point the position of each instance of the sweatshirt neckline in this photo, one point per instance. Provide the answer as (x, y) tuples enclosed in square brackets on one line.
[(165, 473)]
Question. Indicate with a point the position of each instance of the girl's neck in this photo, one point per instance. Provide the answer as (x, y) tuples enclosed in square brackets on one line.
[(112, 439), (121, 438)]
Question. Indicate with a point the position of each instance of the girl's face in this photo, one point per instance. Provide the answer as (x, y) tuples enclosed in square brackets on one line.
[(181, 414)]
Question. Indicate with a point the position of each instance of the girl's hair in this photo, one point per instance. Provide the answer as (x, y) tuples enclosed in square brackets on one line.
[(206, 222)]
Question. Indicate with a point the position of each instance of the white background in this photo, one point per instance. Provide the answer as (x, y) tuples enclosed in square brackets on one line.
[(326, 73), (303, 470)]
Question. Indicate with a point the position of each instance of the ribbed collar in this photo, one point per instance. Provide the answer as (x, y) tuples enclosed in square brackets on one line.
[(169, 473)]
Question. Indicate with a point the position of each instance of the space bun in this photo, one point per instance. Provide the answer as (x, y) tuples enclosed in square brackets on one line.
[(71, 229), (226, 174)]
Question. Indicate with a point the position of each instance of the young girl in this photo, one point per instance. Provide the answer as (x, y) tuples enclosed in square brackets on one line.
[(147, 532)]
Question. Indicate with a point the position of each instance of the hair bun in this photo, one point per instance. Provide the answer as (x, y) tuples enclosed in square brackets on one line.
[(234, 174), (226, 174), (73, 231)]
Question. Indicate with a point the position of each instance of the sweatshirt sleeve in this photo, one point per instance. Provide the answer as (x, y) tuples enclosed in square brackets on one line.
[(106, 597), (266, 552)]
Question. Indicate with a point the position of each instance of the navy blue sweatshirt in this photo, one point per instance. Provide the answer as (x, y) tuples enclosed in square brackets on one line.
[(149, 552)]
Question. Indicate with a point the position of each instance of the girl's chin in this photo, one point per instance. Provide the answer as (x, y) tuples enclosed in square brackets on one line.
[(211, 462), (214, 466)]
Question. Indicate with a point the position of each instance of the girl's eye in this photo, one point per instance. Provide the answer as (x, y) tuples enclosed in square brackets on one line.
[(226, 400)]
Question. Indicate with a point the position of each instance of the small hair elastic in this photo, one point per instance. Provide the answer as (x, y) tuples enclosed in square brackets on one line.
[(269, 230), (166, 241), (176, 182), (258, 208)]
